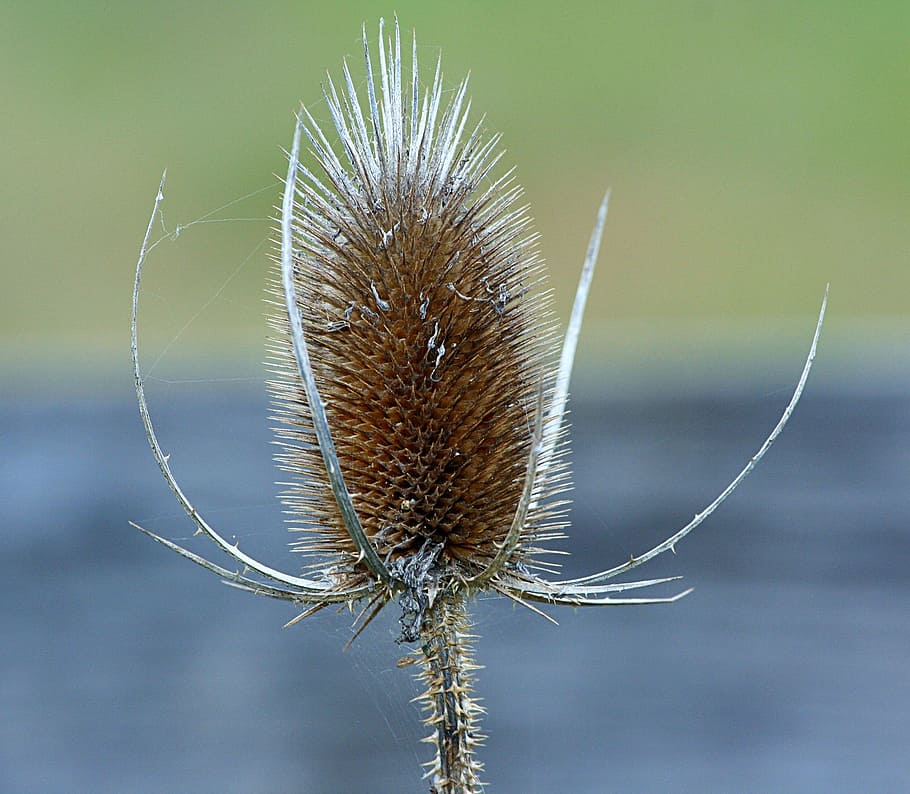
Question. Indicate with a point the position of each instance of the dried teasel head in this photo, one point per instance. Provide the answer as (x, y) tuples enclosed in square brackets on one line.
[(417, 388), (430, 339)]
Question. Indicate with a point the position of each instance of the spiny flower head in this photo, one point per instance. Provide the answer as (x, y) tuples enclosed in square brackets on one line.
[(417, 394), (429, 336)]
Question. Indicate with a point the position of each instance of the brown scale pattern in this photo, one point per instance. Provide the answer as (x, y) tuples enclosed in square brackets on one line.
[(433, 442)]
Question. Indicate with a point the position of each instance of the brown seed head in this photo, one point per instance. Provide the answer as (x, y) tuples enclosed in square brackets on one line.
[(428, 330)]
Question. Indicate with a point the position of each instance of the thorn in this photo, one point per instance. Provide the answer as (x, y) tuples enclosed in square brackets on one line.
[(295, 620)]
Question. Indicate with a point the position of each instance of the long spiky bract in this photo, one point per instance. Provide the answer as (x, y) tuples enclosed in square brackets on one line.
[(417, 387)]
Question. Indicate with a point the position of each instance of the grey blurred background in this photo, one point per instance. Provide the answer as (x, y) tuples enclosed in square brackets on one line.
[(755, 152)]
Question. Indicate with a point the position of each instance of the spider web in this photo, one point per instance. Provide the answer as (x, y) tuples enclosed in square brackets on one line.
[(202, 332)]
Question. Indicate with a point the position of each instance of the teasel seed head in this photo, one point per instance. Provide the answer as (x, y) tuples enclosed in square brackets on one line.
[(430, 336), (424, 434), (417, 393)]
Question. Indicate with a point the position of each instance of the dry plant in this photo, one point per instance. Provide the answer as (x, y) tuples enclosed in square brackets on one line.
[(417, 388)]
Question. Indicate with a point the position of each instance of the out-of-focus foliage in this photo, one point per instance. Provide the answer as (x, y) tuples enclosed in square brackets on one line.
[(755, 151)]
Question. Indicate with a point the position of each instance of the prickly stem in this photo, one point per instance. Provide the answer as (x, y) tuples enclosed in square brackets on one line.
[(452, 712)]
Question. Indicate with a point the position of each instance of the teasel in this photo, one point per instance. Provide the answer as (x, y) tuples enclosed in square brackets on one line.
[(418, 387)]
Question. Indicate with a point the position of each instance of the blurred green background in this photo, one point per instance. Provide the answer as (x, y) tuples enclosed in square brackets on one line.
[(756, 151)]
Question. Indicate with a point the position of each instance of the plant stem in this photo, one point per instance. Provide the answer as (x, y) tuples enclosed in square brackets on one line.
[(452, 712)]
